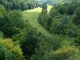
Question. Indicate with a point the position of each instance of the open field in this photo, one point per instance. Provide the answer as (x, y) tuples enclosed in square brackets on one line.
[(32, 16)]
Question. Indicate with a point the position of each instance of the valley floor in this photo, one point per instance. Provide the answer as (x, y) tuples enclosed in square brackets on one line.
[(32, 16)]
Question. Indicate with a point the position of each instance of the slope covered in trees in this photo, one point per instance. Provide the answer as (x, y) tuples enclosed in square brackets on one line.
[(21, 32), (62, 20)]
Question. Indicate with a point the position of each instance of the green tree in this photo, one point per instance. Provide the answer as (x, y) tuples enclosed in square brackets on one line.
[(77, 12), (71, 9), (13, 21), (4, 53), (15, 18), (53, 12), (42, 52), (76, 16), (62, 9), (29, 43), (59, 28), (14, 50), (1, 34), (54, 25), (66, 53), (16, 5), (44, 18), (71, 33), (2, 11)]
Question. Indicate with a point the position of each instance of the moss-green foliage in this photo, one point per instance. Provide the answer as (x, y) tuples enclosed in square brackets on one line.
[(4, 53), (77, 12), (65, 28), (38, 44), (42, 52), (71, 9), (2, 11), (67, 52), (53, 12), (61, 19), (11, 23), (14, 50), (62, 9), (16, 19), (76, 16), (44, 19), (13, 20), (21, 4), (29, 42), (56, 48), (1, 34)]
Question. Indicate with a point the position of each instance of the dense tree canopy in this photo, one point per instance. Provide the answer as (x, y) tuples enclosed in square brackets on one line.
[(21, 41), (10, 50), (64, 22), (19, 4)]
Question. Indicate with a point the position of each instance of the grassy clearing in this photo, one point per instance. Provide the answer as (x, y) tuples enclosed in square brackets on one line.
[(32, 16)]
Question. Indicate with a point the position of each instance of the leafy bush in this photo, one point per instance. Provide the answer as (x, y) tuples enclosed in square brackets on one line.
[(77, 12), (53, 12), (67, 52), (71, 33), (71, 9), (4, 53), (29, 42), (14, 50), (62, 9)]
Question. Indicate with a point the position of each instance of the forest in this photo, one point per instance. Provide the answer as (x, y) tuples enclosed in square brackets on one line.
[(28, 31)]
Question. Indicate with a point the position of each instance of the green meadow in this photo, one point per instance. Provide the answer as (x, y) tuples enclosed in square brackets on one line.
[(32, 15)]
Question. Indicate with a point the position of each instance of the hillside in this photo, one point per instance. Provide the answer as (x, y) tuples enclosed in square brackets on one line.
[(32, 30)]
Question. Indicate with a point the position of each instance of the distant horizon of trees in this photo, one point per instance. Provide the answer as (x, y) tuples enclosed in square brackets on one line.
[(19, 4)]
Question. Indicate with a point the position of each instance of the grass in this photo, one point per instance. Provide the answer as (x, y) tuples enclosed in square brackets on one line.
[(32, 16)]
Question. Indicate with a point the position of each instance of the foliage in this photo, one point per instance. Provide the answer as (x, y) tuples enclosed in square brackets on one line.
[(1, 34), (76, 16), (21, 4), (44, 19), (67, 52), (71, 33), (4, 53), (16, 19), (53, 25), (59, 28), (58, 42), (77, 12), (19, 36), (42, 52), (57, 37), (62, 9), (15, 51), (2, 11), (53, 12), (29, 43), (13, 21), (71, 9)]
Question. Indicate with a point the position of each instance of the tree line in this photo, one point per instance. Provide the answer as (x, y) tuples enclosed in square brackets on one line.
[(19, 4)]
